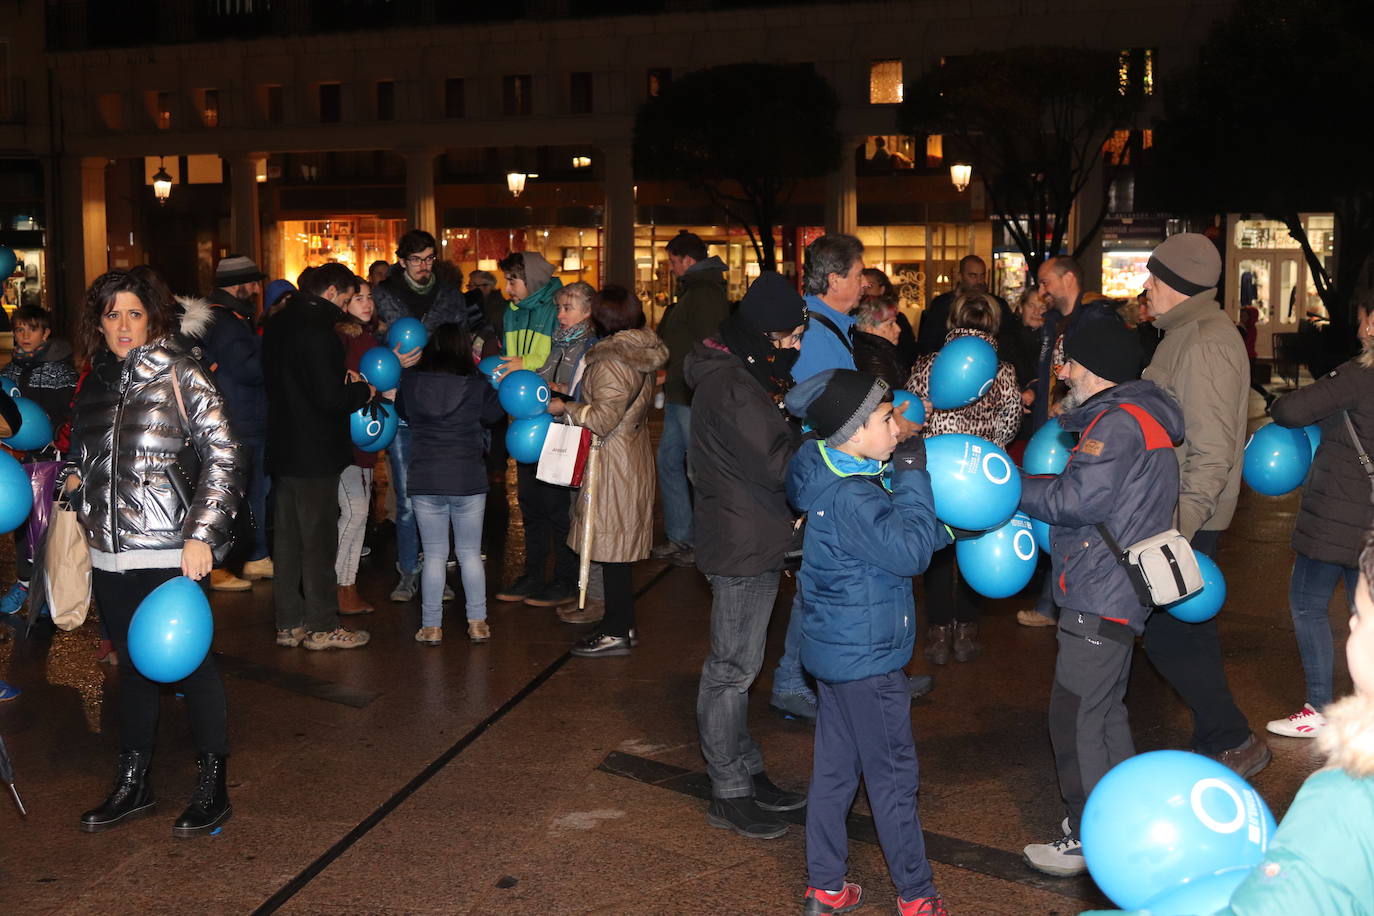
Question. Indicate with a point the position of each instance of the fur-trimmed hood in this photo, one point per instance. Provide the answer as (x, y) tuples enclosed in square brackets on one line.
[(639, 348), (1348, 739), (195, 318)]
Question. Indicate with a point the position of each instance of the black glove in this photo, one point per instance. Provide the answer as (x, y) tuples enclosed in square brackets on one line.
[(963, 534), (909, 455)]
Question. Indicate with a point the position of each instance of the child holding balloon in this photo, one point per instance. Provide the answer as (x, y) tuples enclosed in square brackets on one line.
[(866, 536)]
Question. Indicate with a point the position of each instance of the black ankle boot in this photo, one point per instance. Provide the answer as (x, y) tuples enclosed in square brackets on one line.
[(131, 797), (209, 802)]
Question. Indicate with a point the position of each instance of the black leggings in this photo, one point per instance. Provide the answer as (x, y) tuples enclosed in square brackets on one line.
[(546, 513), (948, 597), (118, 596), (620, 599)]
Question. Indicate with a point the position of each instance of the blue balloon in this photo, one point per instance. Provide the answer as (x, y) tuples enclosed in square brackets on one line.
[(381, 368), (390, 423), (525, 437), (1276, 459), (16, 493), (406, 333), (909, 406), (1201, 896), (170, 633), (1166, 817), (1205, 604), (999, 563), (8, 261), (974, 482), (35, 429), (1048, 450), (962, 373), (1314, 438), (11, 388), (524, 394), (1041, 530), (490, 366)]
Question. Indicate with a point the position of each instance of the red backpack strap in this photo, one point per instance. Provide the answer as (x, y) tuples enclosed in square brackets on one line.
[(1155, 434)]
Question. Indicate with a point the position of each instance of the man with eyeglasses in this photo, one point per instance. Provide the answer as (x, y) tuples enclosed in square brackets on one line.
[(417, 291)]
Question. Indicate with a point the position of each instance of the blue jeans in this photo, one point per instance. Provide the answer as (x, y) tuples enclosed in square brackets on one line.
[(1309, 597), (864, 728), (788, 676), (672, 473), (434, 515), (407, 535), (740, 608)]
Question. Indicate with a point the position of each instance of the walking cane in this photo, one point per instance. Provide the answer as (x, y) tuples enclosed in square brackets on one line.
[(7, 776), (589, 482)]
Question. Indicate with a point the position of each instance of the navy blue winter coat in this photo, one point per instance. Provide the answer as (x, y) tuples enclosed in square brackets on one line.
[(446, 413), (1122, 474), (863, 545), (234, 350)]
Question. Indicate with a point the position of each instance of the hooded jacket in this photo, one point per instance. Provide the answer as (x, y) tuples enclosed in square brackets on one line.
[(46, 376), (1122, 474), (527, 326), (1336, 509), (1201, 363), (863, 544), (233, 350), (741, 443), (1321, 859), (617, 390), (702, 304), (132, 447), (446, 413)]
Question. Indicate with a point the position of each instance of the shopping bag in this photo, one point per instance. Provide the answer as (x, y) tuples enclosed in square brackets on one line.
[(564, 456), (66, 568)]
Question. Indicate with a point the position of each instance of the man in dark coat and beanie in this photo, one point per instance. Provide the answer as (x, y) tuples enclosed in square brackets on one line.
[(741, 443), (233, 353), (308, 447)]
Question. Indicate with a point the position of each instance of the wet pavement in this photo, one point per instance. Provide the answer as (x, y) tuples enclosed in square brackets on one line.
[(509, 777)]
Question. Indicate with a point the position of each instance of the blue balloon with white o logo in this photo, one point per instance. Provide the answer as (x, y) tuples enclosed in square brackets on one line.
[(406, 334), (1048, 450), (524, 394), (16, 493), (962, 373), (1163, 819), (490, 366), (1314, 438), (1001, 562), (1204, 604), (373, 433), (1276, 459), (974, 482), (11, 388), (909, 406), (35, 429), (381, 368), (1201, 896), (525, 437)]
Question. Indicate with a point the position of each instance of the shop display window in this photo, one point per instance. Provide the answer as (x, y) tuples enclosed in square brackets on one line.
[(353, 240)]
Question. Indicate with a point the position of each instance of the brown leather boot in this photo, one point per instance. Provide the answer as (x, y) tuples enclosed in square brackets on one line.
[(350, 602), (937, 644), (966, 644)]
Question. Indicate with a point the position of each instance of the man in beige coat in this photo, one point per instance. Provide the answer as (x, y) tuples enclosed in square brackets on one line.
[(1202, 363)]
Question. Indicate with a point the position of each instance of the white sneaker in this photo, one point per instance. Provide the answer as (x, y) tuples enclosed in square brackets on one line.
[(1063, 858), (1305, 723)]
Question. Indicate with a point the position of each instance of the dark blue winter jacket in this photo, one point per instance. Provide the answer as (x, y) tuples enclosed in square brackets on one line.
[(1122, 474), (233, 350), (863, 544), (446, 413)]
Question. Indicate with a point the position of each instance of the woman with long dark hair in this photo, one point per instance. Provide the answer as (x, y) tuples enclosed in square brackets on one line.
[(156, 476)]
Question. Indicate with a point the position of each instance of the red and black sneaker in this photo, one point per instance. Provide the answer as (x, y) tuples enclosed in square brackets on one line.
[(922, 906), (819, 902)]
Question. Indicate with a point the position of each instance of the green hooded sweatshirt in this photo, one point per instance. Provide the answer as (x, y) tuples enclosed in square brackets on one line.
[(528, 325)]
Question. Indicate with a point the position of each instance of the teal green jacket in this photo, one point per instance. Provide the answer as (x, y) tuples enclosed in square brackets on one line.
[(528, 325)]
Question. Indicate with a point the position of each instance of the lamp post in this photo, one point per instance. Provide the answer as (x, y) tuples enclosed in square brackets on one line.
[(961, 175), (515, 181), (162, 183)]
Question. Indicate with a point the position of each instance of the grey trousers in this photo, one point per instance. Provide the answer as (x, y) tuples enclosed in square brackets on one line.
[(740, 608), (1089, 728)]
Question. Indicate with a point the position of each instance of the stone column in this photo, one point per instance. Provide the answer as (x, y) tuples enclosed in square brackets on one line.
[(85, 254), (244, 222), (420, 209), (619, 216), (842, 192)]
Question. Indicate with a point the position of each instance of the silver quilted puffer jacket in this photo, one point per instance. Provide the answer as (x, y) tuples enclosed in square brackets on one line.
[(141, 493)]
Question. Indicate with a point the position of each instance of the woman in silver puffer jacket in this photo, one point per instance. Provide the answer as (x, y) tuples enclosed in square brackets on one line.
[(156, 476)]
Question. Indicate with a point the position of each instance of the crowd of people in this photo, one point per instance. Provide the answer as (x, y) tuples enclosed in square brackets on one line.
[(189, 418)]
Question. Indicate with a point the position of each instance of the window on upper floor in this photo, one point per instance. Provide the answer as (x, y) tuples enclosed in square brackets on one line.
[(162, 110), (331, 103), (110, 108), (455, 97), (386, 100), (209, 107), (272, 100), (580, 93), (515, 94), (885, 82), (1135, 71), (658, 79)]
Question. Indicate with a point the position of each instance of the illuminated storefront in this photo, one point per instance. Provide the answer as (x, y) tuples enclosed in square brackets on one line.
[(353, 240), (1266, 270)]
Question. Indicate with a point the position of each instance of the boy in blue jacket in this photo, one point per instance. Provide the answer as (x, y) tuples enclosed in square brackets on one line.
[(866, 536)]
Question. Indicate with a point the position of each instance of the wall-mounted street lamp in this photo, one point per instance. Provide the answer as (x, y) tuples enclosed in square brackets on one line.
[(162, 183), (515, 181), (961, 175), (581, 162)]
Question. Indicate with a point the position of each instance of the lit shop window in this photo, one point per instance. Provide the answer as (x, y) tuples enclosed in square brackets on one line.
[(885, 82)]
